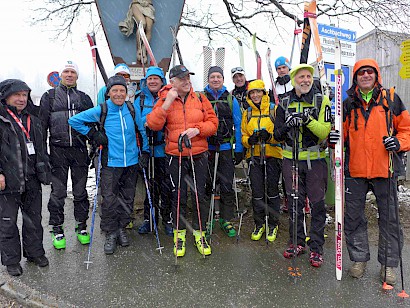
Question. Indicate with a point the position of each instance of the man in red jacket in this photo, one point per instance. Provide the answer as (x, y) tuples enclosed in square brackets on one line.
[(185, 113), (376, 128)]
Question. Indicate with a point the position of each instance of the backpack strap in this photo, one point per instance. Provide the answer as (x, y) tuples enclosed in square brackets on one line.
[(51, 98), (103, 115)]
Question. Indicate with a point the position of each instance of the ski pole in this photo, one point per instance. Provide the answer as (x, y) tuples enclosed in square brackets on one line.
[(265, 181), (151, 172), (212, 205), (97, 184), (188, 145), (179, 196)]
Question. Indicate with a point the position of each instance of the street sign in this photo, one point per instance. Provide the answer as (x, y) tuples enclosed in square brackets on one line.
[(330, 74), (53, 79), (347, 39)]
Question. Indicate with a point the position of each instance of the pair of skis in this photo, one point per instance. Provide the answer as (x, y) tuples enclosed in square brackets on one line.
[(208, 54)]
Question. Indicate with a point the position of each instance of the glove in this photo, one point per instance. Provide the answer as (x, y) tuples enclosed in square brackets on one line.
[(97, 137), (44, 177), (293, 120), (144, 159), (264, 135), (391, 143), (253, 139), (238, 158), (305, 119), (334, 137)]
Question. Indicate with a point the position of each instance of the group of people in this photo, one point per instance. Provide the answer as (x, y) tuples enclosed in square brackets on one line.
[(186, 140)]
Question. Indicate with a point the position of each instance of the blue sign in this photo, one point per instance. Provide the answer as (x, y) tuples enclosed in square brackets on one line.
[(341, 34), (330, 74)]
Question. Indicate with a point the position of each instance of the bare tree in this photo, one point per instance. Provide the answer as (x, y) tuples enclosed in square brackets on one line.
[(241, 17)]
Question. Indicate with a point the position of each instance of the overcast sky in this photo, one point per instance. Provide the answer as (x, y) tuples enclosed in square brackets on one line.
[(28, 53)]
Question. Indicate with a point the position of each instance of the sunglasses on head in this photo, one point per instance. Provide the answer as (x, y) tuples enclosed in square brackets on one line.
[(236, 69), (369, 71), (124, 75)]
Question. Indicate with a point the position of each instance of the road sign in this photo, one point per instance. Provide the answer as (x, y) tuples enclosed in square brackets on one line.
[(53, 79), (347, 39), (330, 74)]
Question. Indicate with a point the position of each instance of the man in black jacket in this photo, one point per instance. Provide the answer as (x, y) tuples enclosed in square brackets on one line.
[(67, 151), (23, 167)]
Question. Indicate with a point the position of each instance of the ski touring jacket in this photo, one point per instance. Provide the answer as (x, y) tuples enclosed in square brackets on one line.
[(365, 125), (229, 114), (15, 162), (260, 119), (312, 137), (56, 107), (119, 127), (191, 112), (146, 101)]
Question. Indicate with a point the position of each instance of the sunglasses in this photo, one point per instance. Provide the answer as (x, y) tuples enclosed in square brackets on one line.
[(369, 71), (236, 70), (124, 75)]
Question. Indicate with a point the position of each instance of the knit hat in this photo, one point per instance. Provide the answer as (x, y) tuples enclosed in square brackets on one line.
[(70, 65), (282, 61), (10, 86), (122, 68), (116, 80), (215, 69), (298, 67)]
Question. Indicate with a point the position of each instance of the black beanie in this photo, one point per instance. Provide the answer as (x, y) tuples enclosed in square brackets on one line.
[(215, 69), (116, 80)]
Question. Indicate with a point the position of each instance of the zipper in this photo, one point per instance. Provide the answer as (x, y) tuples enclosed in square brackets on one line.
[(123, 138), (70, 137)]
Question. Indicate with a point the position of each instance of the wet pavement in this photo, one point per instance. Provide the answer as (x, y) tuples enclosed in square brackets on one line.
[(243, 274)]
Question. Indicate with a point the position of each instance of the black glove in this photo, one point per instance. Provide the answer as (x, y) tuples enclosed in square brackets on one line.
[(44, 177), (238, 158), (391, 143), (144, 159), (293, 120), (334, 136), (264, 135), (97, 137), (305, 119), (253, 139)]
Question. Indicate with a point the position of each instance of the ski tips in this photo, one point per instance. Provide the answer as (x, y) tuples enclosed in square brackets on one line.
[(386, 286), (403, 294)]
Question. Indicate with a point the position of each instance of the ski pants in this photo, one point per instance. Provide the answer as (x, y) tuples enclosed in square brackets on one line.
[(225, 172), (355, 221), (62, 159), (118, 186), (160, 188), (257, 176), (30, 204), (311, 183), (200, 165)]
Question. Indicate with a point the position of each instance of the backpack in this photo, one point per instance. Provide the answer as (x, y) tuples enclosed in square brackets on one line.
[(272, 113), (104, 110)]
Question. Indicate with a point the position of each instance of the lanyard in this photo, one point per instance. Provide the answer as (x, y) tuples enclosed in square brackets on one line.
[(18, 121)]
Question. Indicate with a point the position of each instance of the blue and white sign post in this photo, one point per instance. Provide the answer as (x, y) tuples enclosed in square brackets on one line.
[(347, 39)]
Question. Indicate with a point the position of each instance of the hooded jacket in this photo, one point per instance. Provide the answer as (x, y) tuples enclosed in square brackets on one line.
[(365, 125), (181, 115), (146, 101), (260, 119)]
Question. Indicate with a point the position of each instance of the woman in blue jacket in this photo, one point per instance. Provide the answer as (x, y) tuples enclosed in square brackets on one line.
[(120, 159)]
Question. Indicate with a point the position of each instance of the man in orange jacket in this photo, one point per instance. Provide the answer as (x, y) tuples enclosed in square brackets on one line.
[(376, 127), (185, 113)]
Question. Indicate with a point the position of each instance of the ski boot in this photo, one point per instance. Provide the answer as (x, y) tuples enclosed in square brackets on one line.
[(168, 228), (145, 227), (82, 235), (257, 233), (201, 239), (181, 238), (315, 259), (57, 235), (272, 233), (227, 227), (290, 251)]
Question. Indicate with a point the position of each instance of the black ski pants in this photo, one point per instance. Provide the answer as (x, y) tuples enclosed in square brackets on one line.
[(32, 231), (160, 188), (225, 172), (118, 186), (311, 183), (200, 166), (355, 221), (261, 208), (62, 159)]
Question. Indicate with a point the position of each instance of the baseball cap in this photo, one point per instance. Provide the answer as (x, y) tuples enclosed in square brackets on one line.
[(70, 65), (237, 70), (179, 71)]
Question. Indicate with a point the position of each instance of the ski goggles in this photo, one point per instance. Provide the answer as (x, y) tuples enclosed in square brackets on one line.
[(123, 75), (369, 71), (237, 70)]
